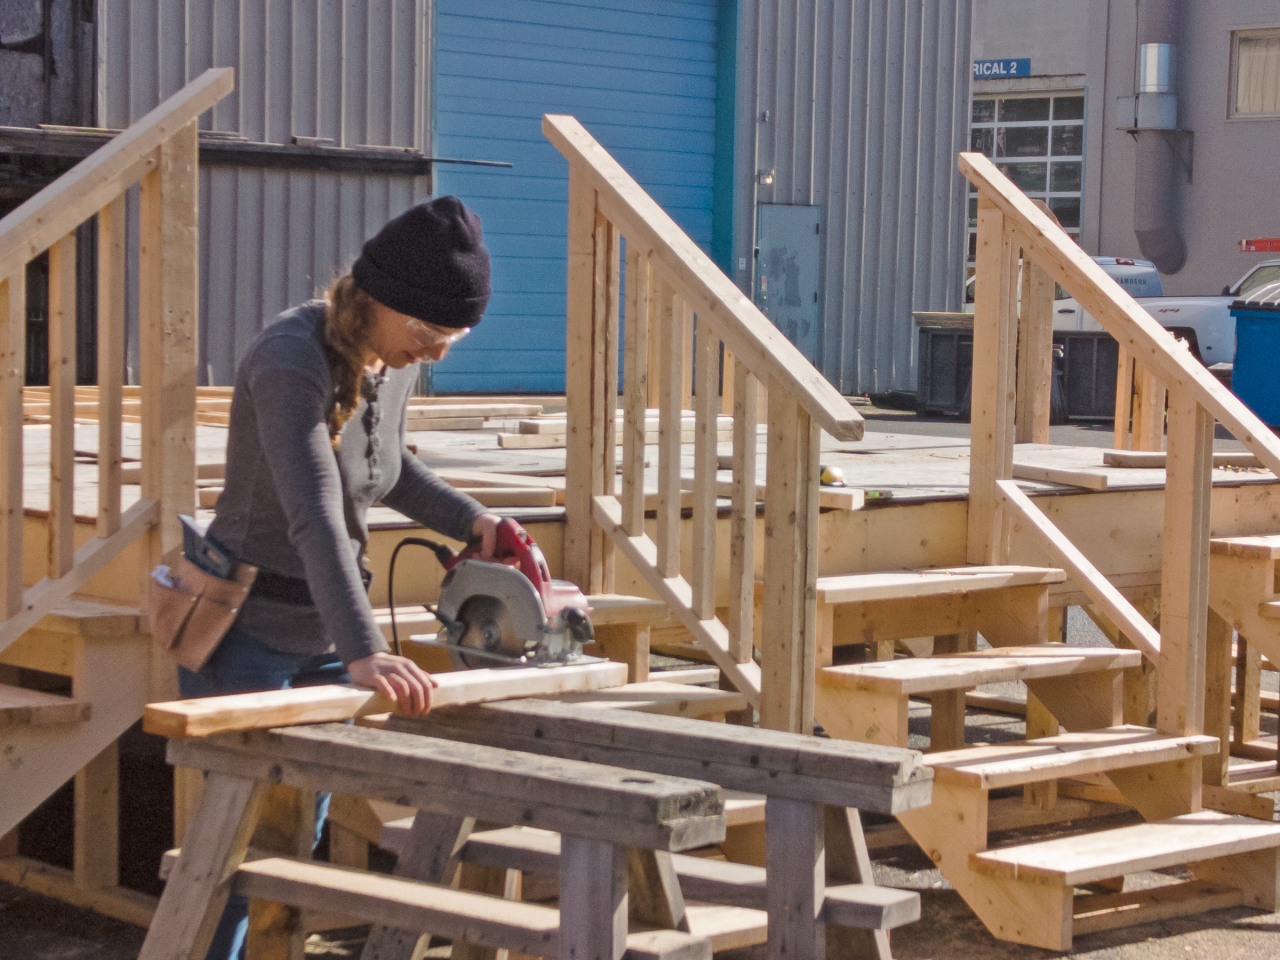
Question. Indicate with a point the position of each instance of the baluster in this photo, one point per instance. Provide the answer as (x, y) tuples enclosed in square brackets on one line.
[(1035, 355), (685, 318), (1124, 399), (636, 348), (789, 611), (1153, 396), (994, 365), (670, 377), (702, 574), (726, 382), (62, 405), (742, 528), (111, 260), (605, 401), (13, 365)]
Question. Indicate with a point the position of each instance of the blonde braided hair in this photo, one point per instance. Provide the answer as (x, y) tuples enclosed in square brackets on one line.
[(347, 321)]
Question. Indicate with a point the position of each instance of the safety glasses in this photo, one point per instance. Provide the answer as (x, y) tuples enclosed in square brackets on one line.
[(429, 335)]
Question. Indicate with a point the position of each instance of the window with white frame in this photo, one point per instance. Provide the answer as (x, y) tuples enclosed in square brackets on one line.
[(1037, 141), (1255, 73)]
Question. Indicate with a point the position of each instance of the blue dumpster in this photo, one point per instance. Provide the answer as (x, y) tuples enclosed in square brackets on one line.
[(1255, 378)]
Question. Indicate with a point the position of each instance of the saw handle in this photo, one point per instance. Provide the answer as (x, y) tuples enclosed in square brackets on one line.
[(515, 548)]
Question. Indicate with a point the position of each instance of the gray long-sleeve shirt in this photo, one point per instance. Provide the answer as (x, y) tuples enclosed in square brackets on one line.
[(282, 505)]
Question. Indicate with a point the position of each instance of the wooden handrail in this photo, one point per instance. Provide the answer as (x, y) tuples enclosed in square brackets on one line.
[(1137, 332), (78, 194), (747, 332)]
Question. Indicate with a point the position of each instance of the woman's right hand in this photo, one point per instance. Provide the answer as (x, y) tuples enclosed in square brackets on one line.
[(396, 678)]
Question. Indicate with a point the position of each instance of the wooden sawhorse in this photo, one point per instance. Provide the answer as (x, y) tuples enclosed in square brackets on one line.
[(602, 814)]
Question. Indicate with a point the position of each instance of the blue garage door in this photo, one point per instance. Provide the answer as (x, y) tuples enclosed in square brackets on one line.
[(641, 77)]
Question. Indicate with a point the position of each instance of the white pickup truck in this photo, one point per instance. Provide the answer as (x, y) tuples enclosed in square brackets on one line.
[(1204, 322)]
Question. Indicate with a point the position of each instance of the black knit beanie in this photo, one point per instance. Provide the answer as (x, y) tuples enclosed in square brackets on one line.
[(430, 262)]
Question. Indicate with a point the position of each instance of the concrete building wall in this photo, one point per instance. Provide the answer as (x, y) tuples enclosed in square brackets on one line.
[(1092, 45), (867, 107)]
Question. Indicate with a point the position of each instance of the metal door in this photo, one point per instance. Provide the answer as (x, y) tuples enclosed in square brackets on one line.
[(787, 272)]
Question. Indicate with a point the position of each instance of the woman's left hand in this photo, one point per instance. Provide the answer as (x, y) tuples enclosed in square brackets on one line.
[(396, 678)]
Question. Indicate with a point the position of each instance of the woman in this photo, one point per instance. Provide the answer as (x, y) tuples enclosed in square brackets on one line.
[(317, 437)]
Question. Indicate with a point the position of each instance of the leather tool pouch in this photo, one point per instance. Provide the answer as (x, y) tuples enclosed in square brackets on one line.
[(191, 615)]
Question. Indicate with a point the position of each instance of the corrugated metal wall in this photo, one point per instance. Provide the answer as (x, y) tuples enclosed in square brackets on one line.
[(355, 71), (868, 106), (641, 76)]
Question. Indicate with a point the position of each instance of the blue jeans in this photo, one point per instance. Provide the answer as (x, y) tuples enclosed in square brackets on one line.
[(244, 664)]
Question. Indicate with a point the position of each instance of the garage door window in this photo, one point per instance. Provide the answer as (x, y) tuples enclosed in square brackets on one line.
[(1038, 143)]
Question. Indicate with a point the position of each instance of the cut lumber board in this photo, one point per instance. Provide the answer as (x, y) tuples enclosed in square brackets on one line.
[(529, 496), (484, 411), (658, 697), (423, 424), (32, 708), (954, 671), (1072, 478), (559, 425), (1155, 459), (1109, 911), (1250, 548), (1067, 755), (551, 441), (330, 703), (1087, 858), (478, 918), (943, 581)]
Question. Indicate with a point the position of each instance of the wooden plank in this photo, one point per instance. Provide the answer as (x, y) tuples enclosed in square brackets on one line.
[(1081, 859), (659, 697), (746, 331), (593, 899), (789, 609), (78, 194), (1155, 459), (654, 890), (1074, 478), (1184, 587), (670, 377), (742, 523), (120, 903), (1245, 701), (1217, 696), (1035, 355), (200, 881), (591, 801), (96, 853), (926, 674), (457, 410), (636, 384), (605, 394), (1122, 437), (702, 536), (31, 708), (512, 496), (1111, 911), (579, 353), (412, 425), (330, 703), (62, 382), (994, 346), (111, 372), (13, 371), (797, 878), (1063, 755), (1081, 570), (858, 936), (1131, 325), (842, 773), (42, 597), (936, 582)]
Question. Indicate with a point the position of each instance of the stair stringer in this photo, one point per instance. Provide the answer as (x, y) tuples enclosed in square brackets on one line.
[(952, 829), (113, 674), (1238, 586)]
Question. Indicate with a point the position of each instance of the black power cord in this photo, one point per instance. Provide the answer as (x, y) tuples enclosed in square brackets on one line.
[(443, 554)]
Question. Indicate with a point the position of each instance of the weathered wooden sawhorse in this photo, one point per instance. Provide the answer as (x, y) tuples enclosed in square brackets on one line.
[(813, 789), (603, 814)]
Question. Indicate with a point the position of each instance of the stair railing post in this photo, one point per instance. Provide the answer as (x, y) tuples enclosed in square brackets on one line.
[(168, 283), (993, 392), (742, 523), (111, 334), (13, 365), (789, 613), (62, 406), (1124, 400)]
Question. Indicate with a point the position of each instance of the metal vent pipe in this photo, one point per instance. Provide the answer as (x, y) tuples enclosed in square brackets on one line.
[(1156, 219)]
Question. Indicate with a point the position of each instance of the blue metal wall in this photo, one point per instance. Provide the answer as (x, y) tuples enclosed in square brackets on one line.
[(639, 74)]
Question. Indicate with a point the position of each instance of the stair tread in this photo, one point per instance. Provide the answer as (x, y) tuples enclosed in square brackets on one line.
[(1097, 856), (32, 708), (954, 671), (1067, 755), (1254, 548), (942, 581), (92, 618), (1269, 609)]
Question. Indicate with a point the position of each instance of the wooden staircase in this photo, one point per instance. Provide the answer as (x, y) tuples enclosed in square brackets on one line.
[(1027, 892), (102, 652)]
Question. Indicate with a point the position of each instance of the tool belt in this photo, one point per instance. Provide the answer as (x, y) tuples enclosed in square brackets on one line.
[(284, 589)]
